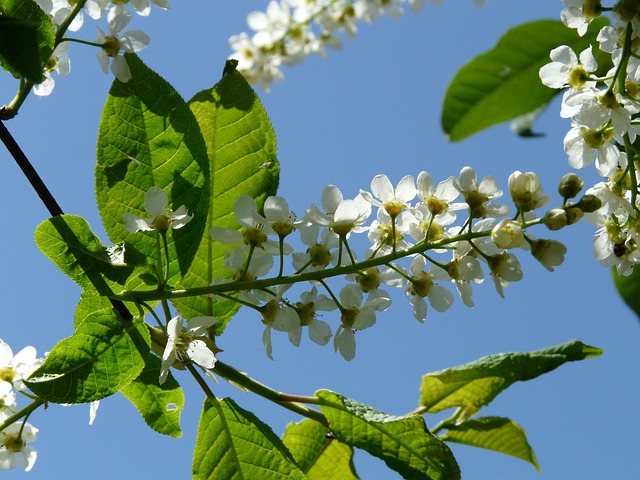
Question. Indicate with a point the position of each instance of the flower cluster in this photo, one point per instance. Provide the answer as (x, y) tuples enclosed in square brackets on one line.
[(15, 436), (65, 14), (291, 30), (447, 233), (604, 126)]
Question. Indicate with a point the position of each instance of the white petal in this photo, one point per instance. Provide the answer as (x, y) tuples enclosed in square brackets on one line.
[(120, 69), (133, 224), (156, 202), (198, 351), (134, 41)]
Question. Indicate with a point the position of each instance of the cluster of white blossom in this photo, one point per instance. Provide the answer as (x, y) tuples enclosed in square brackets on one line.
[(15, 437), (63, 13), (442, 242), (604, 126), (291, 30)]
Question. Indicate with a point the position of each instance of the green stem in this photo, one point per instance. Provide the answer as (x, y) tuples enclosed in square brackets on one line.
[(290, 402), (135, 296), (25, 412)]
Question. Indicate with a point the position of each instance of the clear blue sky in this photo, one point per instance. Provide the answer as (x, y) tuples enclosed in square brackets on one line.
[(373, 107)]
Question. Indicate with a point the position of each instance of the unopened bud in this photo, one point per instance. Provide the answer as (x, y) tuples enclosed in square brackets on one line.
[(574, 214), (570, 186), (555, 219), (589, 203)]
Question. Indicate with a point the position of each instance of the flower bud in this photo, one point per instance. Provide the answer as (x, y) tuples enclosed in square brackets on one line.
[(574, 214), (626, 10), (549, 253), (555, 219), (570, 186), (507, 234), (526, 191), (589, 203)]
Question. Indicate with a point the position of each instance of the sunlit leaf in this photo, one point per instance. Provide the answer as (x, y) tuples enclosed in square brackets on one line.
[(318, 454), (149, 137), (241, 147), (494, 433), (404, 443), (26, 38), (159, 405), (233, 443), (476, 384), (104, 354), (503, 83)]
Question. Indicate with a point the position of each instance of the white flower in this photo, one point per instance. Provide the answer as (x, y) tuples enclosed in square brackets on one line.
[(550, 253), (356, 316), (478, 195), (526, 191), (141, 7), (566, 71), (188, 344), (579, 13), (439, 200), (319, 330), (278, 317), (422, 286), (14, 450), (505, 268), (16, 368), (156, 203), (590, 139), (270, 26), (131, 42), (7, 397), (59, 63), (507, 234), (392, 200), (388, 234)]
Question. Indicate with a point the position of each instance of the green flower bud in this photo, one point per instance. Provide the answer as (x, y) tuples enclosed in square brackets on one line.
[(570, 186), (589, 203)]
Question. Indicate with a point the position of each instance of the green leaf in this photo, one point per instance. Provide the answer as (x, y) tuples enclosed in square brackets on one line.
[(629, 289), (233, 443), (317, 453), (404, 443), (241, 147), (27, 38), (104, 354), (476, 384), (149, 137), (503, 83), (494, 433), (159, 405), (67, 240)]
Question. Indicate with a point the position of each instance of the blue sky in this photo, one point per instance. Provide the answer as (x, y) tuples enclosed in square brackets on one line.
[(373, 107)]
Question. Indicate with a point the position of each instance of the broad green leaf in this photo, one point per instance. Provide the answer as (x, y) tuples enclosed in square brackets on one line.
[(159, 405), (318, 454), (67, 240), (476, 384), (493, 433), (234, 444), (629, 289), (104, 354), (149, 137), (503, 83), (404, 443), (26, 38), (241, 147)]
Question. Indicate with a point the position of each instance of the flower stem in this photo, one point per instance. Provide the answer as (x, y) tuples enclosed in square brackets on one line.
[(25, 412)]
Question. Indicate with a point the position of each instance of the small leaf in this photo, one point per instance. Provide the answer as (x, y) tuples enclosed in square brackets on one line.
[(27, 38), (104, 354), (318, 454), (19, 48), (149, 137), (233, 443), (629, 289), (494, 433), (159, 405), (67, 240), (476, 384), (241, 147), (404, 443), (503, 83)]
